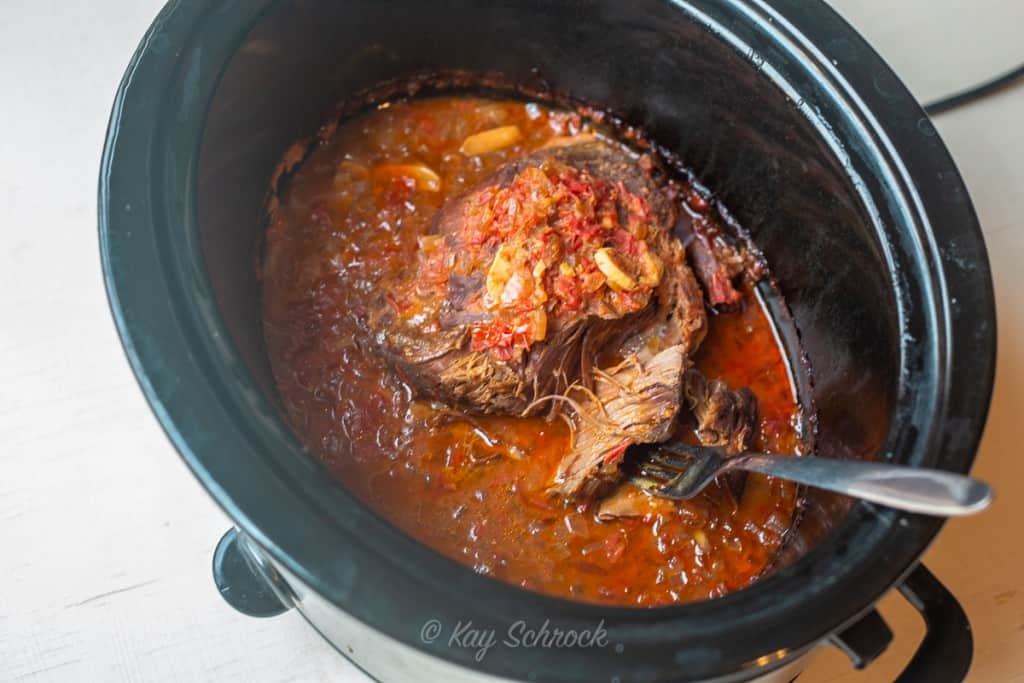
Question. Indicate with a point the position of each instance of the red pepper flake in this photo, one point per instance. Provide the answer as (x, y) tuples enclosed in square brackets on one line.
[(615, 454)]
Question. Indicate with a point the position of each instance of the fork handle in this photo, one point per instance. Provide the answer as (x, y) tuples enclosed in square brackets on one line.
[(930, 492)]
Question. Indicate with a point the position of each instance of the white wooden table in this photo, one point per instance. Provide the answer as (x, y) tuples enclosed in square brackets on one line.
[(106, 539)]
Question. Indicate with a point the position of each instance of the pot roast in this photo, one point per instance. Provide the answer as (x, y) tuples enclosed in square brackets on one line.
[(556, 286)]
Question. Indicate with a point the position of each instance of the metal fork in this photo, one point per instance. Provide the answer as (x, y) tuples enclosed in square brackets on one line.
[(680, 471)]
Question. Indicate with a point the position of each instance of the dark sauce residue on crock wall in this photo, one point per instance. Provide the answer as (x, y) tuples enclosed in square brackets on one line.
[(476, 488)]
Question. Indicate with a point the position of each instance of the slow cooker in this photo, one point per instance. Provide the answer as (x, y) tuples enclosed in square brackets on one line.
[(779, 105)]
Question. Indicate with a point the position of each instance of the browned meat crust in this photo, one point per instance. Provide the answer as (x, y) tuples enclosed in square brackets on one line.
[(724, 418)]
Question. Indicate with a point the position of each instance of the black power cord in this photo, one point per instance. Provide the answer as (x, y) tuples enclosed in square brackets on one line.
[(975, 93)]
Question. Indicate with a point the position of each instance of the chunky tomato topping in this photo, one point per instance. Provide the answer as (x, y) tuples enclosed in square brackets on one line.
[(555, 242)]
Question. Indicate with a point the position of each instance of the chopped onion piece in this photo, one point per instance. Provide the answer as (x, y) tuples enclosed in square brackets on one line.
[(490, 140), (425, 177), (540, 324), (428, 243), (516, 289), (653, 269), (565, 140), (499, 273), (608, 264), (540, 294)]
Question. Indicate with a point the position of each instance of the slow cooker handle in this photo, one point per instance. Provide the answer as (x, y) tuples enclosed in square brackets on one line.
[(948, 646), (945, 653), (246, 580)]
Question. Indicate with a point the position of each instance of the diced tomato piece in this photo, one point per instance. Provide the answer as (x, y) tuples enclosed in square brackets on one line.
[(615, 546), (567, 292), (625, 243)]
